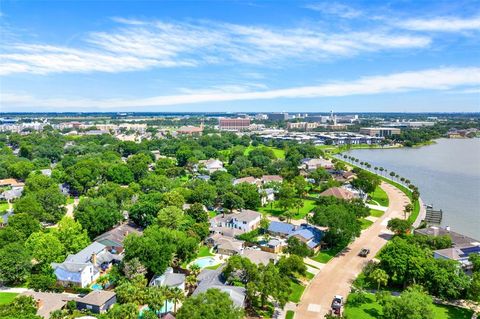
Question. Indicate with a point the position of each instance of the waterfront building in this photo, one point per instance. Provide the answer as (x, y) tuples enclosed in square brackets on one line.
[(380, 131)]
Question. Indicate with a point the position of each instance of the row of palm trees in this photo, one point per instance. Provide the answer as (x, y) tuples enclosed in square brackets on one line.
[(379, 170)]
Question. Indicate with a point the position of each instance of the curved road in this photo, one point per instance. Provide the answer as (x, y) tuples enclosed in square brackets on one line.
[(338, 274)]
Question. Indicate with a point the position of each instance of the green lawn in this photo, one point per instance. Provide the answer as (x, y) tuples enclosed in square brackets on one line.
[(213, 267), (308, 205), (3, 206), (309, 275), (380, 196), (279, 153), (376, 213), (204, 251), (70, 200), (297, 291), (365, 223), (212, 214), (372, 310), (7, 297), (325, 255), (290, 314)]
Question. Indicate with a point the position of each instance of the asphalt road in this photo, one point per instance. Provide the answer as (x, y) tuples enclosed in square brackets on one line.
[(338, 274)]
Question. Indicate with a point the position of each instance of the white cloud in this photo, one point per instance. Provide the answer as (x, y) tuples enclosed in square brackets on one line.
[(334, 8), (140, 45), (441, 24), (430, 79)]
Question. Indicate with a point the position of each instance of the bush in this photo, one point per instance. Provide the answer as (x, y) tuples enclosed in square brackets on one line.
[(41, 282)]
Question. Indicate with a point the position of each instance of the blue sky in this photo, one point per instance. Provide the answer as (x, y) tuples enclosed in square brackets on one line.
[(311, 56)]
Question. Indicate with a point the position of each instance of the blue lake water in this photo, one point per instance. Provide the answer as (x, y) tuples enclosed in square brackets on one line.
[(447, 174)]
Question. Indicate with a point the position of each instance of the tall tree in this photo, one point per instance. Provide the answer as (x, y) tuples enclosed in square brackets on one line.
[(212, 304), (96, 215)]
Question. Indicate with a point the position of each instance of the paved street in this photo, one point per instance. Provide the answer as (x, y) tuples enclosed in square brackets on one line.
[(337, 275)]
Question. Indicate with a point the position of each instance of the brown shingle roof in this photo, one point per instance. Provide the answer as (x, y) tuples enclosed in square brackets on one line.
[(338, 192)]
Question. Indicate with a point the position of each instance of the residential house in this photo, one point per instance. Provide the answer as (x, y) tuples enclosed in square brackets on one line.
[(306, 233), (249, 179), (311, 164), (12, 194), (460, 254), (245, 220), (213, 279), (169, 279), (260, 257), (211, 165), (339, 192), (271, 178), (458, 240), (274, 245), (190, 130), (113, 239), (84, 267), (267, 196), (11, 182), (225, 245), (281, 229), (310, 235), (48, 302), (97, 301)]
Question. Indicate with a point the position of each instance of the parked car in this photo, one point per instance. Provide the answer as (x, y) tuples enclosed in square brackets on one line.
[(364, 252), (337, 305)]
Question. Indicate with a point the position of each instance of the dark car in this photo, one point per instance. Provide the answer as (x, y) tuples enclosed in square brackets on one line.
[(364, 252)]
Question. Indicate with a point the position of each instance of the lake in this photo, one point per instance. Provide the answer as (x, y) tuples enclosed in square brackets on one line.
[(447, 174)]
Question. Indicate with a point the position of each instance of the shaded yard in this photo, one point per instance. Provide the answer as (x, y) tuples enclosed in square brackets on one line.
[(371, 310), (297, 291), (273, 209)]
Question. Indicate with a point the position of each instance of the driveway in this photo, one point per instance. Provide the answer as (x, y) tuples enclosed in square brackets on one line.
[(338, 274)]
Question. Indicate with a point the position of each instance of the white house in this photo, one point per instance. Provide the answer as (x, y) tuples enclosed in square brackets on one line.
[(211, 165), (84, 267), (169, 279), (245, 220)]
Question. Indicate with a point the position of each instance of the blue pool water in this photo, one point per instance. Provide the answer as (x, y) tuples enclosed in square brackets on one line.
[(96, 287), (205, 262)]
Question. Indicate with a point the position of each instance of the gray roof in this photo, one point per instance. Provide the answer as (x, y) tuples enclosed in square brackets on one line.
[(246, 215), (97, 297), (85, 254), (71, 267), (259, 257), (212, 279), (117, 235), (457, 239)]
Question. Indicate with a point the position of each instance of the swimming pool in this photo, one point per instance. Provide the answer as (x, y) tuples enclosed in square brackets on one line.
[(96, 287), (205, 262)]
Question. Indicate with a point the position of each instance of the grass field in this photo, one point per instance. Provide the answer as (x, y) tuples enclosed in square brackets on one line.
[(3, 206), (7, 297), (376, 213), (280, 154), (297, 291), (380, 196), (365, 223), (308, 205), (373, 310), (325, 255), (204, 251), (290, 314)]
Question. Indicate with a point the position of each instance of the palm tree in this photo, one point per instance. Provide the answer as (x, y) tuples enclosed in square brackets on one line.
[(380, 277), (392, 174), (402, 179), (195, 270), (190, 282), (167, 293), (156, 298), (177, 295)]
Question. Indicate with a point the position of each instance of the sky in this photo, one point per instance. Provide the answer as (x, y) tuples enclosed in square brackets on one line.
[(240, 56)]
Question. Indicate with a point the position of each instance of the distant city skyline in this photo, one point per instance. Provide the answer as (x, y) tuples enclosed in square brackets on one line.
[(292, 56)]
